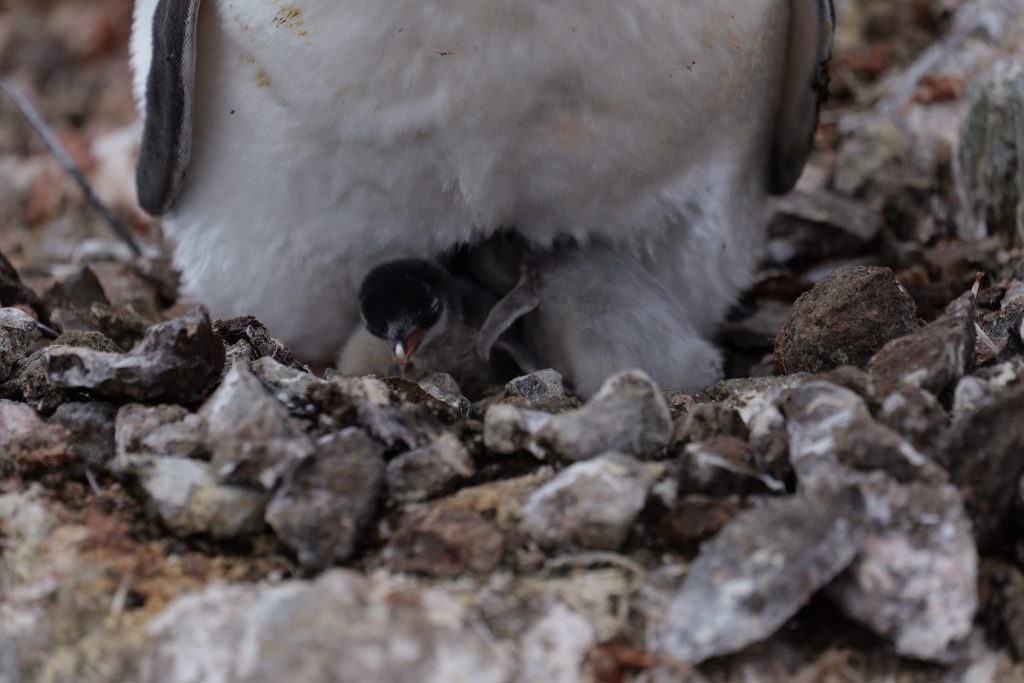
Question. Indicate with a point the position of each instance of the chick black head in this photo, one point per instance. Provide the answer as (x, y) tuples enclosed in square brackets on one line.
[(407, 303)]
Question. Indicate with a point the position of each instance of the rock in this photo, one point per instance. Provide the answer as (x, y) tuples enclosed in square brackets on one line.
[(445, 389), (628, 415), (990, 161), (556, 647), (914, 414), (428, 472), (446, 542), (986, 386), (18, 333), (845, 320), (71, 299), (694, 518), (915, 579), (343, 627), (290, 386), (397, 413), (759, 404), (185, 497), (984, 453), (998, 338), (466, 531), (256, 334), (830, 429), (934, 357), (160, 431), (1002, 613), (30, 384), (538, 388), (176, 362), (13, 292), (27, 443), (757, 573), (253, 440), (91, 430), (809, 227), (125, 328), (329, 499), (722, 467), (591, 505), (708, 421)]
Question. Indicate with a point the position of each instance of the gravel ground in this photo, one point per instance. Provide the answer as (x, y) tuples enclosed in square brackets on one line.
[(183, 500)]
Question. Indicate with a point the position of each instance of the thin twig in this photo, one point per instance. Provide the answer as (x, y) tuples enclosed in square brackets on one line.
[(51, 140)]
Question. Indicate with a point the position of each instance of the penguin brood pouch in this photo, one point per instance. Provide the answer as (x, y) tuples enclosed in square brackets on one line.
[(290, 149)]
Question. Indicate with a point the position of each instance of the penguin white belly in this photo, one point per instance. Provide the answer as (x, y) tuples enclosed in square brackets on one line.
[(330, 135)]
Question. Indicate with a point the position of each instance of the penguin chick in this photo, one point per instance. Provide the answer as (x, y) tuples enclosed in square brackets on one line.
[(592, 311), (408, 303)]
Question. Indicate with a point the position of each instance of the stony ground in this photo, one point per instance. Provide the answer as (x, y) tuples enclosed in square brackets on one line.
[(182, 500)]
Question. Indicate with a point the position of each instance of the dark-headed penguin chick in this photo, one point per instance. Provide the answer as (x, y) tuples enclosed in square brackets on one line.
[(408, 303)]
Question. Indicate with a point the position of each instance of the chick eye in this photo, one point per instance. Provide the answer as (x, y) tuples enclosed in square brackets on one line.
[(435, 305)]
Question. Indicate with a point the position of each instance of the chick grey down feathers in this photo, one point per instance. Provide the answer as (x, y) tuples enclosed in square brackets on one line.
[(290, 152)]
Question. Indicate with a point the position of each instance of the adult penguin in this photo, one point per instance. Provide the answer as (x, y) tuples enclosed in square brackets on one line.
[(291, 147)]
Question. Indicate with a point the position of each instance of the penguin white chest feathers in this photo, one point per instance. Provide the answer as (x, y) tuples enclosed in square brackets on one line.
[(291, 148)]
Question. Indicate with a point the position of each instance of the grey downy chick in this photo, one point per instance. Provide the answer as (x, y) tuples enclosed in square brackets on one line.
[(591, 311)]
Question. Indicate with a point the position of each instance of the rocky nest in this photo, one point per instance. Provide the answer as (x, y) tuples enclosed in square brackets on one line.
[(183, 500)]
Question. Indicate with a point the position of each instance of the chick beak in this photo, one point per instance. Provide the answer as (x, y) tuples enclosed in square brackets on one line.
[(406, 345)]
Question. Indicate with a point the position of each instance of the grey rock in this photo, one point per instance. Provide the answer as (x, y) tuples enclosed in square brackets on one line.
[(29, 444), (984, 453), (628, 415), (70, 299), (176, 362), (91, 430), (256, 335), (428, 472), (997, 337), (915, 579), (185, 497), (845, 320), (758, 572), (290, 386), (398, 419), (556, 646), (160, 431), (18, 333), (914, 414), (722, 467), (990, 161), (815, 226), (831, 430), (253, 440), (538, 388), (591, 505), (445, 389), (329, 499), (14, 293), (707, 421), (123, 326), (29, 382), (935, 357), (341, 627), (986, 386)]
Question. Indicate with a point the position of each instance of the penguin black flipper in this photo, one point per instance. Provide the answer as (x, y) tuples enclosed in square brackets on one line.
[(804, 88), (167, 119)]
